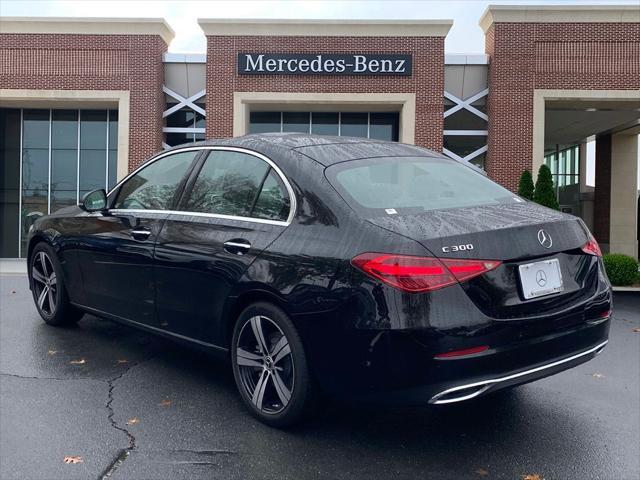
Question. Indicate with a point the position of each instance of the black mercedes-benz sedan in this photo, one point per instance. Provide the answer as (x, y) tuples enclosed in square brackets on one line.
[(331, 267)]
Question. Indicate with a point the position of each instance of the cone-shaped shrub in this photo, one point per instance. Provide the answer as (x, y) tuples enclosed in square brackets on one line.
[(544, 193), (525, 186)]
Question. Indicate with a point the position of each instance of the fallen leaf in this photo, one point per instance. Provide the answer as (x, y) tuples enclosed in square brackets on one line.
[(80, 361), (597, 375), (165, 403), (636, 330), (73, 460), (532, 476), (122, 360), (52, 352), (133, 421), (482, 472)]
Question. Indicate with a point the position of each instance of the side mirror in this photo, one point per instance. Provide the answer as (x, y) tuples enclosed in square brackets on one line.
[(94, 201)]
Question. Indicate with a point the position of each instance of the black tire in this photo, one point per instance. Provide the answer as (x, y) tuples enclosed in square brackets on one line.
[(48, 288), (278, 372)]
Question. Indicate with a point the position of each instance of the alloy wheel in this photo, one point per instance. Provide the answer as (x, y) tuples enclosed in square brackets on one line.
[(45, 283), (265, 364)]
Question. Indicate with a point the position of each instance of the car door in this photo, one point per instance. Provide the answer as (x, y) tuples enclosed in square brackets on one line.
[(116, 246), (235, 205)]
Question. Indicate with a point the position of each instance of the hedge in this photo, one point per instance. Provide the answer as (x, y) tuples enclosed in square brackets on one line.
[(622, 270)]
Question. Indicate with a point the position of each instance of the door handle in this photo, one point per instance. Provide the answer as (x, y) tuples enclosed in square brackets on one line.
[(237, 246), (140, 233)]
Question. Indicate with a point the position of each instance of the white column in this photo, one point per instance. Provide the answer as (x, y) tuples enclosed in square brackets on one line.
[(624, 194), (586, 192)]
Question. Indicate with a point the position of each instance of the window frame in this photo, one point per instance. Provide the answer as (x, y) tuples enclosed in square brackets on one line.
[(185, 187)]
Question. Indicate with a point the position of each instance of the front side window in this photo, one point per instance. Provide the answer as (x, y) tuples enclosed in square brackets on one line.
[(409, 185), (238, 184), (154, 187)]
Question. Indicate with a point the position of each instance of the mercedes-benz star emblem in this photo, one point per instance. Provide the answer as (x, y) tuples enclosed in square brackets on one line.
[(541, 278), (545, 239)]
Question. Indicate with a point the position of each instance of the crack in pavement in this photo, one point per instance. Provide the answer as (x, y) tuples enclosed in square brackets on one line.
[(123, 454), (26, 377)]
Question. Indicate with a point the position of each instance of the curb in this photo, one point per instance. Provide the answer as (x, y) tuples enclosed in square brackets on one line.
[(626, 289)]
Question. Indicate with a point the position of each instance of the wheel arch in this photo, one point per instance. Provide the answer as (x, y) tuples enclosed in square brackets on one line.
[(33, 241), (236, 305)]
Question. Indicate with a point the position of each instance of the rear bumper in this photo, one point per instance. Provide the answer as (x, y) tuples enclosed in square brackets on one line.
[(467, 391), (399, 367)]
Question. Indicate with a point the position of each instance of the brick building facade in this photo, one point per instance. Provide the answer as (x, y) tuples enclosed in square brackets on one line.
[(553, 56), (549, 81), (77, 62), (426, 82)]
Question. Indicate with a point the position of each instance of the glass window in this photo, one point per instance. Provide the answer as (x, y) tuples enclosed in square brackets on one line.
[(325, 123), (93, 129), (93, 150), (185, 117), (92, 170), (412, 185), (36, 129), (296, 122), (354, 124), (64, 158), (264, 122), (113, 149), (377, 125), (155, 186), (464, 120), (227, 184), (113, 129), (479, 160), (64, 164), (9, 181), (200, 120), (564, 165), (273, 201), (464, 145), (49, 155), (481, 104), (64, 129), (383, 126)]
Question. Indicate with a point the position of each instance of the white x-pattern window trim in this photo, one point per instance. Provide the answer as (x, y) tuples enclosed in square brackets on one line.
[(466, 158), (184, 102), (466, 104)]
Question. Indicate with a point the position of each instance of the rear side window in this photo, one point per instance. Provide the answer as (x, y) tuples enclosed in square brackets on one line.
[(238, 184), (273, 201), (408, 185), (154, 186)]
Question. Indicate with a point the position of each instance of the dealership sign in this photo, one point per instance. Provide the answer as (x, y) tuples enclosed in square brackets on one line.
[(323, 64)]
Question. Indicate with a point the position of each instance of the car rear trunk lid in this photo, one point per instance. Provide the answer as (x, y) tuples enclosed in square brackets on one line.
[(507, 231)]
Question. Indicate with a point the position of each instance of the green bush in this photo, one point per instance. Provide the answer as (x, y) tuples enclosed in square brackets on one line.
[(545, 194), (621, 269), (525, 186)]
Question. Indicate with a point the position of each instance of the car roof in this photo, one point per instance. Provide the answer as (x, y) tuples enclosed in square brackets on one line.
[(324, 149)]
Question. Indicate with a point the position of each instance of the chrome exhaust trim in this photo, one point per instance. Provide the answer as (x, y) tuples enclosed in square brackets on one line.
[(471, 390)]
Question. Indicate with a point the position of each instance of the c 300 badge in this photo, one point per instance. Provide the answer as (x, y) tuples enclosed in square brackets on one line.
[(458, 248)]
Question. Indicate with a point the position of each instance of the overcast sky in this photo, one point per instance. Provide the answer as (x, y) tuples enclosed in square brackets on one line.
[(464, 37)]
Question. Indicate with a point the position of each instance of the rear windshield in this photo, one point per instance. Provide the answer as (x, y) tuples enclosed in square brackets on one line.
[(409, 185)]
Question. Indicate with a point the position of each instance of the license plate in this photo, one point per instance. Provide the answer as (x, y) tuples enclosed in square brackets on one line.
[(541, 278)]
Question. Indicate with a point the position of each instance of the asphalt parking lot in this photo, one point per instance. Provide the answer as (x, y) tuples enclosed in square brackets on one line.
[(135, 406)]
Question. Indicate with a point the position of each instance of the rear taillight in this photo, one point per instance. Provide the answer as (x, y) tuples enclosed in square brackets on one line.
[(420, 274), (592, 247)]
